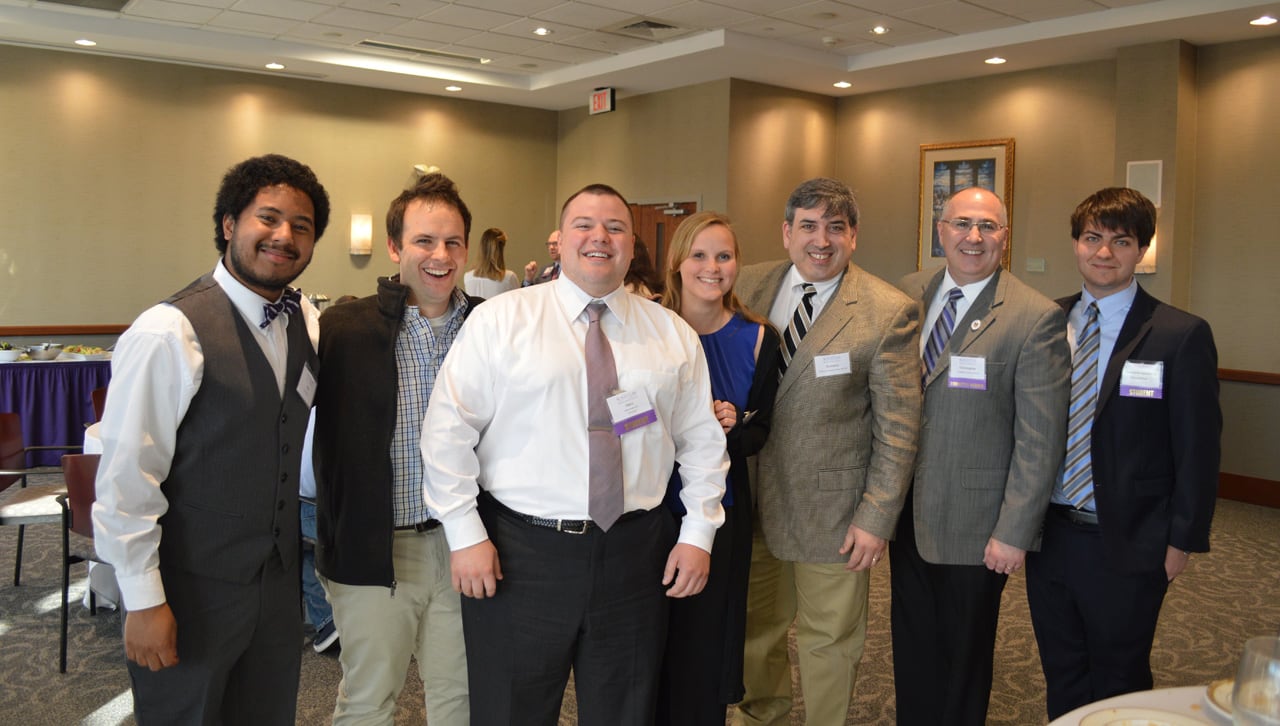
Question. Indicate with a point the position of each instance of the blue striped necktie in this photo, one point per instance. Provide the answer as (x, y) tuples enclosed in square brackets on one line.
[(799, 325), (941, 333), (1077, 470)]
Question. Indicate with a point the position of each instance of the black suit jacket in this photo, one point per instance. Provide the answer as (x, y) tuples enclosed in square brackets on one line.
[(1155, 461)]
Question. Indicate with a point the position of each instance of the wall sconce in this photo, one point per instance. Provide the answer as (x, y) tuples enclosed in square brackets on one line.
[(362, 234), (1147, 178), (1148, 264)]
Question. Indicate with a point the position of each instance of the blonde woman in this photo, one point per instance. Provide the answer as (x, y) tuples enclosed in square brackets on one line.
[(702, 670), (491, 276)]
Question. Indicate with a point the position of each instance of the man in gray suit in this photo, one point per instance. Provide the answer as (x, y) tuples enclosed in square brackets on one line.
[(831, 479), (996, 382)]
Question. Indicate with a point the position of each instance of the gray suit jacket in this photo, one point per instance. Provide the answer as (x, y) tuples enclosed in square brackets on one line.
[(989, 459), (841, 448)]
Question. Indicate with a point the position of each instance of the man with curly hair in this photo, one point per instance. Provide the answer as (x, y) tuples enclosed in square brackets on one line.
[(197, 491)]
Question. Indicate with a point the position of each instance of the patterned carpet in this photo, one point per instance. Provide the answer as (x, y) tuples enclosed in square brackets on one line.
[(1224, 597)]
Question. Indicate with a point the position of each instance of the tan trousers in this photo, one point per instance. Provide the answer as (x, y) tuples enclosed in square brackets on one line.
[(828, 605), (380, 630)]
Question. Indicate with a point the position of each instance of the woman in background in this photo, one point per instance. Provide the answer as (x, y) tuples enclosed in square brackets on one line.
[(702, 669), (491, 276), (641, 278)]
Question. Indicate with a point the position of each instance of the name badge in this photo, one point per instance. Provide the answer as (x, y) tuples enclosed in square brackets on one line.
[(1142, 379), (968, 372), (834, 364), (307, 386), (630, 411)]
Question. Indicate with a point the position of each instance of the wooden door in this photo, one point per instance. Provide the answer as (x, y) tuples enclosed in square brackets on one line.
[(656, 224)]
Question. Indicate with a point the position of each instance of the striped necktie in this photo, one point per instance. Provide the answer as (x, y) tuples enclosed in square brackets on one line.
[(799, 325), (1077, 470), (942, 329)]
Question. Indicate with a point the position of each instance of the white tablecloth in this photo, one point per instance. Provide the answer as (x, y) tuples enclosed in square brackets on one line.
[(1185, 701)]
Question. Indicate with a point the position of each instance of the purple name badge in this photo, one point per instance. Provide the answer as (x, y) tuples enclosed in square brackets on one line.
[(630, 410), (968, 372), (631, 424), (1142, 379)]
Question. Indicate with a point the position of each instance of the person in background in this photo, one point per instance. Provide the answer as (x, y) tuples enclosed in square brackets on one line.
[(996, 377), (382, 557), (831, 478), (702, 667), (642, 279), (197, 491), (314, 604), (491, 276), (566, 562), (1137, 494), (551, 271)]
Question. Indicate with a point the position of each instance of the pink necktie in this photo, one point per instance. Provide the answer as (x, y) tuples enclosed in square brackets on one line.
[(604, 499)]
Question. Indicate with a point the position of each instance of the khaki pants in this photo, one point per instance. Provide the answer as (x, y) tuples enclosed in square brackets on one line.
[(380, 630), (829, 607)]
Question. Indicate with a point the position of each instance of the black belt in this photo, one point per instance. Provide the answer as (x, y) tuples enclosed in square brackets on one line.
[(1073, 515), (568, 526), (426, 526)]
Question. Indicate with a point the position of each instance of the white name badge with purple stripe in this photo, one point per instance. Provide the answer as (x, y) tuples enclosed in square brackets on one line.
[(1142, 379), (968, 372), (630, 411)]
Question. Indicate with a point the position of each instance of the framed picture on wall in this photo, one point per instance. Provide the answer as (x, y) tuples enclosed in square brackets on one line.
[(946, 169)]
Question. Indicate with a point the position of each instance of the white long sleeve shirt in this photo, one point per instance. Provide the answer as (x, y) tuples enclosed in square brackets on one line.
[(156, 370), (509, 413)]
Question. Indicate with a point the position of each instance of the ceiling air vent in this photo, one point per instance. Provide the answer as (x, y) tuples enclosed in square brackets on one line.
[(113, 6), (424, 52), (648, 29)]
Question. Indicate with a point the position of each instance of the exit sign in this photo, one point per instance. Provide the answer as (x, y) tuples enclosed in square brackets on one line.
[(601, 101)]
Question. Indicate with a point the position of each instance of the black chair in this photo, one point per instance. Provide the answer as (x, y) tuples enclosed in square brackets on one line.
[(79, 472), (34, 504)]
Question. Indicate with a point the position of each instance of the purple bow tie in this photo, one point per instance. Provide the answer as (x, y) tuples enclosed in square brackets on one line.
[(288, 303)]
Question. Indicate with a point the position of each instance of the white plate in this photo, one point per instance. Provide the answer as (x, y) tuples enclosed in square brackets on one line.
[(1217, 699), (88, 356), (1138, 717)]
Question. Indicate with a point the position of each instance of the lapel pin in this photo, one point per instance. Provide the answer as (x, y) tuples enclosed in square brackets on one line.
[(975, 325)]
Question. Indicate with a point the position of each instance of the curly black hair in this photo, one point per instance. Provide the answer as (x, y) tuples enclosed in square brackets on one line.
[(243, 181)]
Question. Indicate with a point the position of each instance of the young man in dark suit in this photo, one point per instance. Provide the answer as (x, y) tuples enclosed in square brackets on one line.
[(1140, 479)]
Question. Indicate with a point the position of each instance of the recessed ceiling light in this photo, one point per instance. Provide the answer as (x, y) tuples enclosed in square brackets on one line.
[(275, 66), (842, 84), (543, 31), (483, 61), (1264, 20), (453, 89), (880, 30), (86, 42), (994, 60)]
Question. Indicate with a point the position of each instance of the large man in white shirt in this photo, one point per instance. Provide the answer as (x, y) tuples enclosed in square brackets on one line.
[(197, 492), (506, 448)]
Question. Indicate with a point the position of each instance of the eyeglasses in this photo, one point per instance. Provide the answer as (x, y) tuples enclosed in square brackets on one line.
[(963, 226)]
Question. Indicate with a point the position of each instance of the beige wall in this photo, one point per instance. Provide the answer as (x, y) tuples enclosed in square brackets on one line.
[(1063, 125), (777, 139), (665, 146), (111, 168)]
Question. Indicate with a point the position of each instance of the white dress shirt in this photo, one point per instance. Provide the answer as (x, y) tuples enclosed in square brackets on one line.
[(478, 286), (156, 370), (969, 293), (792, 291), (509, 413)]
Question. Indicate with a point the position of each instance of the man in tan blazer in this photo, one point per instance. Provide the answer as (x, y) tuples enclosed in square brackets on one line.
[(995, 414), (831, 479)]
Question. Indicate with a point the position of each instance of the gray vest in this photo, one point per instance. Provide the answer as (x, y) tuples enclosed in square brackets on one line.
[(233, 485)]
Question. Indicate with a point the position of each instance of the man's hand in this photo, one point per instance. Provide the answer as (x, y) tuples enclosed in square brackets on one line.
[(1002, 558), (693, 564), (726, 414), (864, 549), (151, 637), (476, 570), (1175, 561), (530, 270)]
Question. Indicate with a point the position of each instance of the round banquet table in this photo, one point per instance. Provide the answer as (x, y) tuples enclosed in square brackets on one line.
[(53, 399), (1187, 701)]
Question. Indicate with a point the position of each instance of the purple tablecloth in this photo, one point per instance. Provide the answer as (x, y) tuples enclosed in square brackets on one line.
[(54, 401)]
